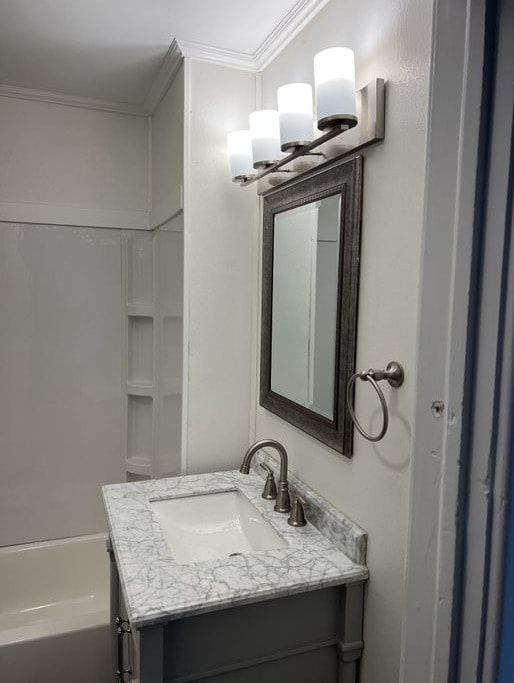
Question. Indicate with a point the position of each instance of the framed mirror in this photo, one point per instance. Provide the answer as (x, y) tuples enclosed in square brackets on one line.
[(310, 274)]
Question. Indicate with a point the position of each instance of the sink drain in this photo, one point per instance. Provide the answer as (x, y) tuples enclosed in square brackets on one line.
[(234, 554)]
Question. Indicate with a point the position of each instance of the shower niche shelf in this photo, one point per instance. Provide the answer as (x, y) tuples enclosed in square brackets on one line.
[(141, 389), (139, 465), (152, 288), (140, 351), (140, 310)]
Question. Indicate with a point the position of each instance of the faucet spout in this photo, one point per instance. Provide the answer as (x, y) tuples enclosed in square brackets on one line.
[(283, 503)]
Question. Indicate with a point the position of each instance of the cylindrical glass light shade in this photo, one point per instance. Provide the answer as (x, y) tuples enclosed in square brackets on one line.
[(334, 77), (265, 134), (296, 114), (239, 145)]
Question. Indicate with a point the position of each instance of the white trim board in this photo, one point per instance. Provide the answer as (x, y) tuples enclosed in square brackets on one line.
[(443, 329), (184, 454), (47, 214), (167, 72)]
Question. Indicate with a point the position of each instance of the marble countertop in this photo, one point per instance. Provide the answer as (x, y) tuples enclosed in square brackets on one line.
[(158, 589)]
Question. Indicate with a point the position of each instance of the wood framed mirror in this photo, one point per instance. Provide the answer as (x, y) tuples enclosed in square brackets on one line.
[(310, 277)]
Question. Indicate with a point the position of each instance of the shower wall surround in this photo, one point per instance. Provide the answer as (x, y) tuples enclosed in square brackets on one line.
[(90, 371), (60, 378), (89, 394)]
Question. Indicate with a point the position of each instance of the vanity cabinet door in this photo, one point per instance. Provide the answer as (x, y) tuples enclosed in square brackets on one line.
[(312, 636), (299, 638)]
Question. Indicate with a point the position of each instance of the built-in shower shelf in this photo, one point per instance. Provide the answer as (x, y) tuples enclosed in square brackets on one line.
[(140, 389), (139, 464), (140, 310), (152, 271)]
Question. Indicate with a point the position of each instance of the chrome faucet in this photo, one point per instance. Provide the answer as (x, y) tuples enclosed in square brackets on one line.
[(283, 503)]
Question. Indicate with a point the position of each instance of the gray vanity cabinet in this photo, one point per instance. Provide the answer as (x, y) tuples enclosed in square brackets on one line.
[(308, 637)]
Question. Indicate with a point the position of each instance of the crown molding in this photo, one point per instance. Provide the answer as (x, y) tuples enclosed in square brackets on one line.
[(286, 30), (167, 72), (218, 55), (70, 100)]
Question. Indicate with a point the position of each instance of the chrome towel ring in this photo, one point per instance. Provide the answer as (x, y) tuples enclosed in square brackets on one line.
[(394, 375)]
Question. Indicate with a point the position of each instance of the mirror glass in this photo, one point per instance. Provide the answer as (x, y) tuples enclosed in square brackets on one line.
[(304, 305), (310, 278)]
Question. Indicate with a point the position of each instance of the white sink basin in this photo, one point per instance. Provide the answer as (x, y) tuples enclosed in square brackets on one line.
[(214, 525)]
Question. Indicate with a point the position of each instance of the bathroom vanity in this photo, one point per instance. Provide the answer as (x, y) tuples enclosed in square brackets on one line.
[(257, 600)]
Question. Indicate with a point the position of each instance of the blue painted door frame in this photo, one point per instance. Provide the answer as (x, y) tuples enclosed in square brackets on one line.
[(483, 626), (506, 653)]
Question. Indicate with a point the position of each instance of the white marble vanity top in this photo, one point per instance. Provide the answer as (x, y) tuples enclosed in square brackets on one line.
[(157, 588)]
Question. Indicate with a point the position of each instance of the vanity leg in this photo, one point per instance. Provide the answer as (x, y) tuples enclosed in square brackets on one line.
[(349, 647), (151, 649)]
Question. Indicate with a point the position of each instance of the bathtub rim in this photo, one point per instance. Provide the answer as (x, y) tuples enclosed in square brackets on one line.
[(66, 623), (53, 542)]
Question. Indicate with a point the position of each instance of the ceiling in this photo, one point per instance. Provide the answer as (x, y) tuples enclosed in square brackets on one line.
[(112, 50)]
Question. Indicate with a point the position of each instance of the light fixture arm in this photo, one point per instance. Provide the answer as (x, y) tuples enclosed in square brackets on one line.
[(301, 151), (371, 129)]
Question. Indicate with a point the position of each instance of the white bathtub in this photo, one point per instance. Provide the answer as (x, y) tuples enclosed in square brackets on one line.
[(54, 612)]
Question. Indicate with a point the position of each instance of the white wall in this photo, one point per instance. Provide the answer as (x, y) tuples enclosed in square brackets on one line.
[(68, 165), (220, 266), (167, 177), (391, 40), (60, 379), (167, 141)]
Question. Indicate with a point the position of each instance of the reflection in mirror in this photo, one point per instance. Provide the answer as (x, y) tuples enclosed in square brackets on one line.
[(304, 306), (310, 273)]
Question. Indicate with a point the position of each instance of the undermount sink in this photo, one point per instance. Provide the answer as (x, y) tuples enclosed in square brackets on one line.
[(214, 525)]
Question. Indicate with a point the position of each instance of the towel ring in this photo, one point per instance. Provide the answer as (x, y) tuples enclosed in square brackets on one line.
[(394, 375)]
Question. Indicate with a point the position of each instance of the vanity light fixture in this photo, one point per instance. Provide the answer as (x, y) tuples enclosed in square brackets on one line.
[(291, 129)]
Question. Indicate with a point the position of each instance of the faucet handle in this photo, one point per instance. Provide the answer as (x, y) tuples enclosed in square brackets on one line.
[(297, 516), (270, 488)]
